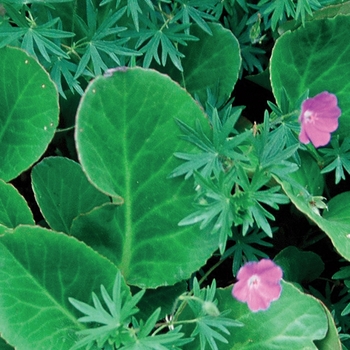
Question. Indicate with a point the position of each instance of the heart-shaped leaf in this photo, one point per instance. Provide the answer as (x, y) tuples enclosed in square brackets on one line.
[(126, 136), (26, 127)]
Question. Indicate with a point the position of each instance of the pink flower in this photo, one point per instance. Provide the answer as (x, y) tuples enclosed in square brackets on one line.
[(259, 283), (318, 118)]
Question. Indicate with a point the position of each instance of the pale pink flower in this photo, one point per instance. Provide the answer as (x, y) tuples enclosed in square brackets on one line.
[(259, 283), (318, 118)]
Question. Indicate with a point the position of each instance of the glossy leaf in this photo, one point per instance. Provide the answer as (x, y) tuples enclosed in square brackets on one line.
[(309, 175), (335, 221), (299, 266), (126, 135), (63, 192), (292, 322), (26, 127), (213, 63), (4, 345), (314, 57), (14, 209), (331, 341), (40, 270)]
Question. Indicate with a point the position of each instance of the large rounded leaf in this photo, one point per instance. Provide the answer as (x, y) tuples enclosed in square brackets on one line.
[(314, 57), (126, 136), (63, 192), (40, 270), (14, 209), (28, 111), (213, 62), (292, 322)]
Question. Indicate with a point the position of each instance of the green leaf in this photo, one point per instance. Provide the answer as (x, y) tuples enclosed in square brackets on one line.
[(339, 157), (216, 155), (14, 209), (127, 152), (63, 192), (331, 341), (28, 111), (187, 12), (165, 40), (272, 151), (299, 266), (170, 340), (314, 57), (280, 9), (216, 210), (246, 247), (134, 9), (335, 220), (163, 297), (112, 324), (40, 270), (294, 321), (101, 45), (213, 63), (38, 1), (309, 175), (4, 345), (211, 324), (34, 37)]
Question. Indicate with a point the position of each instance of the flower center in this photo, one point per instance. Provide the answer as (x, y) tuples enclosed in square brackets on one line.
[(254, 281), (310, 117)]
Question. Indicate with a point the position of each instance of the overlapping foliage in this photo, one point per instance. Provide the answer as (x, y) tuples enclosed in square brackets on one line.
[(144, 167)]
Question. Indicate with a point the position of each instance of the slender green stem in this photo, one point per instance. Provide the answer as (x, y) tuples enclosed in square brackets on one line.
[(204, 277)]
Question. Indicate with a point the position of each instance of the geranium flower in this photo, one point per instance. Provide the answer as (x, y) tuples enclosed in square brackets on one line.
[(259, 283), (318, 118)]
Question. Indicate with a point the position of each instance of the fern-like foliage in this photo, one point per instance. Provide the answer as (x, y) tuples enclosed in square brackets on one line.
[(337, 158), (211, 324), (246, 247), (216, 153), (116, 328)]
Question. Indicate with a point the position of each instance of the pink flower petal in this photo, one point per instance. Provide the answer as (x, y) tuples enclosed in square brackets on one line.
[(320, 138), (303, 138), (318, 118), (258, 284)]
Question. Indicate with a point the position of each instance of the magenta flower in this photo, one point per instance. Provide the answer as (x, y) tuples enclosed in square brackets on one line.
[(318, 118), (259, 283)]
